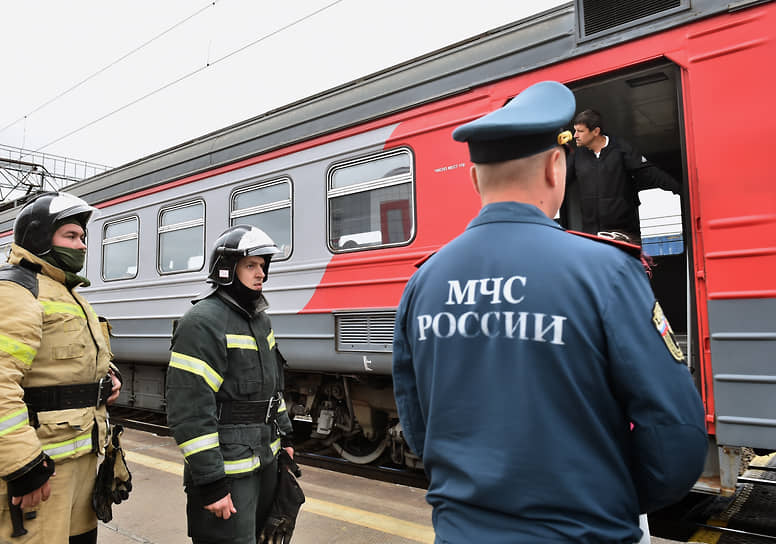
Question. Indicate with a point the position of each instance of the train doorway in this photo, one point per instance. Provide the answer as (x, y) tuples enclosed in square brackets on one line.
[(643, 106)]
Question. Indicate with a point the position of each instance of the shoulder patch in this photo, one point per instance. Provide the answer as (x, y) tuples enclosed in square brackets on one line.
[(631, 249), (24, 277), (666, 332)]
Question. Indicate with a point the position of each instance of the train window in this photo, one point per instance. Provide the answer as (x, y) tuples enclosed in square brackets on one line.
[(119, 249), (267, 207), (182, 238), (371, 202)]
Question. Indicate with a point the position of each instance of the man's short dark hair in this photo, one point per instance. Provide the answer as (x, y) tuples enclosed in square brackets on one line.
[(590, 118)]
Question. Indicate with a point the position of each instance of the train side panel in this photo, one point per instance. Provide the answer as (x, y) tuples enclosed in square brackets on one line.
[(730, 113), (142, 309)]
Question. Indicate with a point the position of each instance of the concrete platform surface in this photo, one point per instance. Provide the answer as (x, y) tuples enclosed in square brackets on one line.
[(339, 509)]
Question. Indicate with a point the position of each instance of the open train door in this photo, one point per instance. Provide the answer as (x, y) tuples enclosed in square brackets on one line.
[(642, 105), (713, 245)]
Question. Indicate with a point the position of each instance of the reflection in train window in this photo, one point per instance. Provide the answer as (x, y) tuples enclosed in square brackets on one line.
[(82, 272), (182, 238), (267, 207), (371, 202), (4, 250), (119, 249)]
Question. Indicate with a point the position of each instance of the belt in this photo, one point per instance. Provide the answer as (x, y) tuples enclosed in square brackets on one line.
[(248, 411), (65, 397)]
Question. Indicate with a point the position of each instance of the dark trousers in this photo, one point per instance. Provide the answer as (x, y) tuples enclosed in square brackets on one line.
[(85, 538), (252, 496)]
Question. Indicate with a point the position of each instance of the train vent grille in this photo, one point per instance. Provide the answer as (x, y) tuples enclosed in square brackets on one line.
[(600, 16), (365, 331)]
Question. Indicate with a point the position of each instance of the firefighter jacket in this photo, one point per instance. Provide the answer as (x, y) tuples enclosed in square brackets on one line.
[(220, 354), (49, 336)]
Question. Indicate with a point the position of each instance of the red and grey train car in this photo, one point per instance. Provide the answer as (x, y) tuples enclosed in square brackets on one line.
[(359, 183)]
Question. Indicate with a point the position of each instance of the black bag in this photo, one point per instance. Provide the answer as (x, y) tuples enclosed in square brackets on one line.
[(285, 508)]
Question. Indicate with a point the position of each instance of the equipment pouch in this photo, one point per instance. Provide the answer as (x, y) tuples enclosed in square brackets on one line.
[(288, 499), (114, 481)]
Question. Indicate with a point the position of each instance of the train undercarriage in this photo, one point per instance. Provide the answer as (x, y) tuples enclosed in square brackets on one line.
[(353, 415)]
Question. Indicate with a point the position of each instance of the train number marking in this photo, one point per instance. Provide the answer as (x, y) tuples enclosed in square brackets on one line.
[(449, 167)]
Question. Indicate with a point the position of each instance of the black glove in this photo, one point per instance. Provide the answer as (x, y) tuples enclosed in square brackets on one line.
[(114, 481), (288, 499)]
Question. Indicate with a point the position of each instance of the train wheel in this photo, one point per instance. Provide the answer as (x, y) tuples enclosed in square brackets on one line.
[(360, 450)]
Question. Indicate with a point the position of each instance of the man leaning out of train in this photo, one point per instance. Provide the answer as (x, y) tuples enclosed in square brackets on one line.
[(522, 353), (224, 394), (55, 379)]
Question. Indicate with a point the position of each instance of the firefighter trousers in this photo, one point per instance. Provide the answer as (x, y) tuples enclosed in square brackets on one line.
[(252, 496), (67, 512)]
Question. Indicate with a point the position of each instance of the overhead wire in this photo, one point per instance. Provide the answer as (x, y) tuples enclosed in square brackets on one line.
[(192, 73), (110, 65)]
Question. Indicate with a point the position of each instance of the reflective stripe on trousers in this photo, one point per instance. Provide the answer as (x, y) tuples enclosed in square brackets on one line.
[(68, 448)]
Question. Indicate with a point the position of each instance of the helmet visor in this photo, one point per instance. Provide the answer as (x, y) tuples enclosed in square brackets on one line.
[(256, 242), (65, 205)]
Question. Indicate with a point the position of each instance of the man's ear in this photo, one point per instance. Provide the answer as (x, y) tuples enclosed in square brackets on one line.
[(554, 167), (475, 179)]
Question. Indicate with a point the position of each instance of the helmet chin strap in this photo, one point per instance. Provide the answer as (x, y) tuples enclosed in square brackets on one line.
[(243, 295)]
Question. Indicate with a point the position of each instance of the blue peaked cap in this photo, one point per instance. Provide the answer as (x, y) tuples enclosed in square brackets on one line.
[(528, 124)]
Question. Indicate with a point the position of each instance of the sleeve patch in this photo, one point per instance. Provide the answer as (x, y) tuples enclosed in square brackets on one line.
[(666, 332)]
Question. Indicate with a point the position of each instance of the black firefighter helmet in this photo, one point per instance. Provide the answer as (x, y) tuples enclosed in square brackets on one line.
[(234, 244), (39, 219)]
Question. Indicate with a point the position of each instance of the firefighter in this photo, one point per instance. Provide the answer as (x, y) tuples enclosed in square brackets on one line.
[(55, 379), (224, 394)]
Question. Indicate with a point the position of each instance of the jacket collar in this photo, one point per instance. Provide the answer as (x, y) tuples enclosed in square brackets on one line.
[(18, 254), (261, 304), (514, 212)]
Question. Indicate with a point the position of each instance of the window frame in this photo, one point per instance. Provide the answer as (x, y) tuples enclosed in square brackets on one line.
[(253, 210), (371, 185), (117, 239), (163, 229)]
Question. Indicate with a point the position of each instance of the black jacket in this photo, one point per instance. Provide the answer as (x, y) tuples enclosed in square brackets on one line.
[(607, 188), (222, 353)]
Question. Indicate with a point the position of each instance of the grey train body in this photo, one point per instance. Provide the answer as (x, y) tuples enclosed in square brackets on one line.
[(338, 348)]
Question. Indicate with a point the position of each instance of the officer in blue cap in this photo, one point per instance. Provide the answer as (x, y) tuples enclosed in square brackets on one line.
[(533, 369)]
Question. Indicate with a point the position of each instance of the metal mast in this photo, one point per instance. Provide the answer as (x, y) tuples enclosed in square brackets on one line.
[(24, 173)]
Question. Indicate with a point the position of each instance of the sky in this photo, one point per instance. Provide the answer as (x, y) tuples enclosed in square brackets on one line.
[(109, 82)]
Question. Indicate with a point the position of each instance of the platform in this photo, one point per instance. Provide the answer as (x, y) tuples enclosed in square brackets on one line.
[(750, 511), (339, 509)]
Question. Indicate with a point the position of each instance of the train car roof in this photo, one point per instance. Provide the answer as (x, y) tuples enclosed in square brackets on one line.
[(542, 39)]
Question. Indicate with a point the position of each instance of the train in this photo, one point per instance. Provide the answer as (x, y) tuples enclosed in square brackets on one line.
[(360, 183)]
